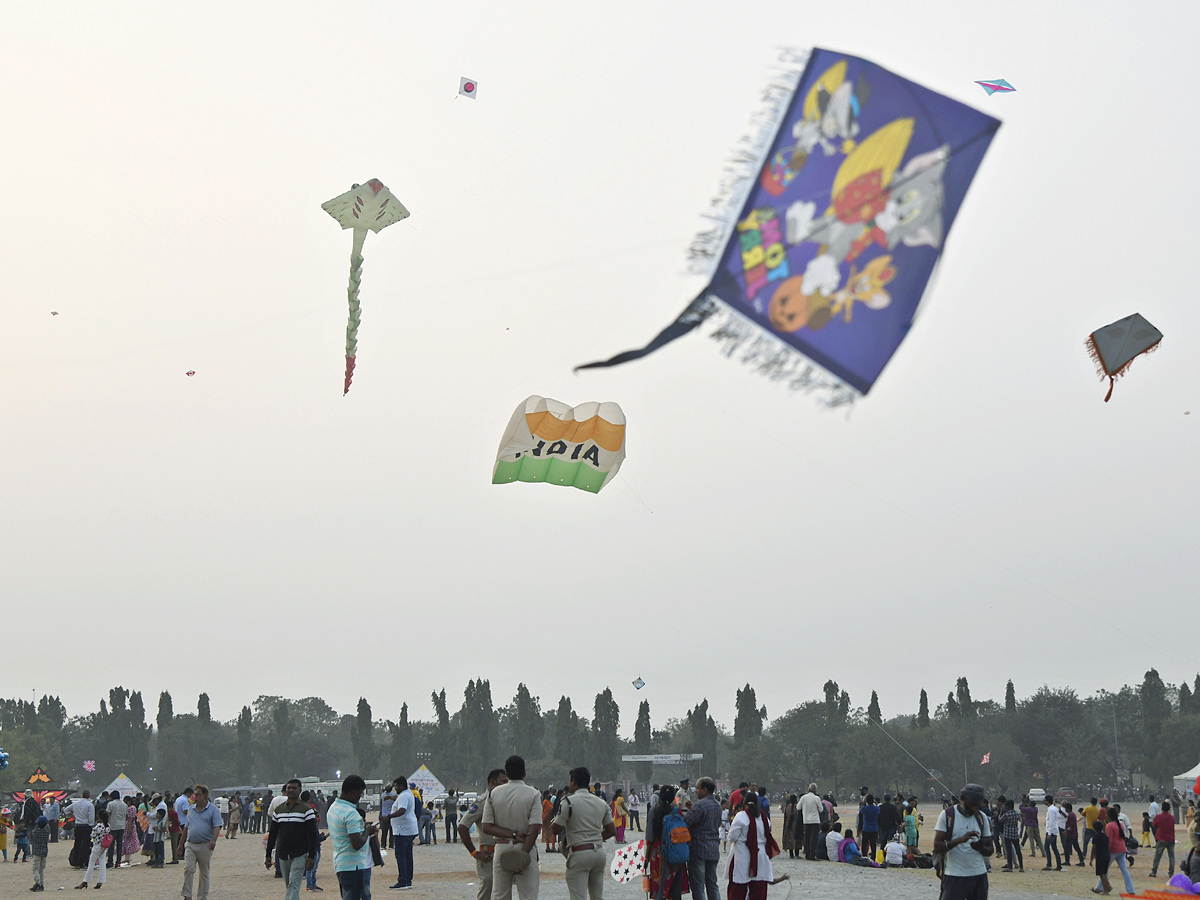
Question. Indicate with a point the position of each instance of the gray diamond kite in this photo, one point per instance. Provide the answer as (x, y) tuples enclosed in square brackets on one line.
[(1114, 347)]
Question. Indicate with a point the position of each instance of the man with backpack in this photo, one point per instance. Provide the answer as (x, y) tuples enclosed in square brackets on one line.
[(703, 821), (962, 841), (585, 823)]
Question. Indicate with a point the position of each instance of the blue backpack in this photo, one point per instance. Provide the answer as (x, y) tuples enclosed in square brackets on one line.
[(675, 837)]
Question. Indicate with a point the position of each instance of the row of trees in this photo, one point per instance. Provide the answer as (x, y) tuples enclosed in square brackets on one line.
[(1052, 738)]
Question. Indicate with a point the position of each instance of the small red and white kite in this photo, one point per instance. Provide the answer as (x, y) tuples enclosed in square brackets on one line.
[(468, 87), (190, 372), (89, 765), (987, 758)]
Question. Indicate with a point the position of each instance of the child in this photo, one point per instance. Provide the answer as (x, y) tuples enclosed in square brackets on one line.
[(101, 841), (1101, 855), (310, 876), (22, 843), (911, 835), (39, 839), (724, 825), (5, 824), (1146, 830), (159, 830)]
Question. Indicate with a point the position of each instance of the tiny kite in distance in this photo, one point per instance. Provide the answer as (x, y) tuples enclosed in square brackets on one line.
[(89, 765), (1114, 347), (581, 446), (638, 683), (468, 87), (190, 372), (987, 758), (54, 312), (996, 86), (365, 207)]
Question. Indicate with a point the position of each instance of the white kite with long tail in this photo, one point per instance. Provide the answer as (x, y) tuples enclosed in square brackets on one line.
[(365, 207)]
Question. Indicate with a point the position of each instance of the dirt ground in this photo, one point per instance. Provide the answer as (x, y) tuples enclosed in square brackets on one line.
[(446, 871)]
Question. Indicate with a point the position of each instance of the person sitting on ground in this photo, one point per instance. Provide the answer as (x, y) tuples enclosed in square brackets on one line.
[(895, 854), (833, 841), (848, 852)]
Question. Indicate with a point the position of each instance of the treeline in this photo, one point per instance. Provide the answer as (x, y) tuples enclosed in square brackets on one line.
[(1052, 738)]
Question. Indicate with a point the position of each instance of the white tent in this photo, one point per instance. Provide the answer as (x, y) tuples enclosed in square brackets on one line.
[(1185, 782), (427, 783), (123, 786)]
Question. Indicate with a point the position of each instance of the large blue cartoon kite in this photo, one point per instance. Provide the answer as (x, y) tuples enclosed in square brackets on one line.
[(833, 249)]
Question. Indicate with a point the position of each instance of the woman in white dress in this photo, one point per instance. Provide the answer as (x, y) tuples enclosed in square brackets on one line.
[(750, 867)]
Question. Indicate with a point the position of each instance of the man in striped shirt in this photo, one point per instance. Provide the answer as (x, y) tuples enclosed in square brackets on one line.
[(293, 836)]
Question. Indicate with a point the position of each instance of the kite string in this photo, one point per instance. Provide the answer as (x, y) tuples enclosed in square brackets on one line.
[(924, 768)]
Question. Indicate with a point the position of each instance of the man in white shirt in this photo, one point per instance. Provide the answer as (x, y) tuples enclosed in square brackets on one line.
[(1155, 809), (404, 832), (833, 842), (223, 809), (118, 813), (964, 835), (83, 811), (893, 854), (1055, 821)]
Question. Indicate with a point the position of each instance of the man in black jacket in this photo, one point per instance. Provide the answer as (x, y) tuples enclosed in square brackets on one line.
[(293, 836), (889, 819)]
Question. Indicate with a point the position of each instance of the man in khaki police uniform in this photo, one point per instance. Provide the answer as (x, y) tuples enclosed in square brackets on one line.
[(487, 843), (512, 814), (585, 822)]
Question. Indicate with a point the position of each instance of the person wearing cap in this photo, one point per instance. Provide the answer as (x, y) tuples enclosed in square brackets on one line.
[(685, 796), (512, 814), (964, 835), (585, 823), (487, 844), (39, 846)]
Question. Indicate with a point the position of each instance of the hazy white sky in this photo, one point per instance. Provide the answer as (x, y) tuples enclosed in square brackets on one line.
[(163, 170)]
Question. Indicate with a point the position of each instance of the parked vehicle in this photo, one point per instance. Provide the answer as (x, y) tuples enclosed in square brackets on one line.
[(1037, 795)]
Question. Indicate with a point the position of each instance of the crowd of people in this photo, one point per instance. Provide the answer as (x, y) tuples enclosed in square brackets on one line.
[(687, 830)]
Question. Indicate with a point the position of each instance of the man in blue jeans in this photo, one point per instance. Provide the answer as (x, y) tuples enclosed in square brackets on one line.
[(349, 834), (704, 822), (404, 832)]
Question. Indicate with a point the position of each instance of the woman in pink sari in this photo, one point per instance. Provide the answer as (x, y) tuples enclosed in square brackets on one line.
[(131, 843)]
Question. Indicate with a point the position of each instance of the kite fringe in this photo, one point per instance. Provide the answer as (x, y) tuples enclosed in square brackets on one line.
[(745, 161), (1102, 371), (773, 359)]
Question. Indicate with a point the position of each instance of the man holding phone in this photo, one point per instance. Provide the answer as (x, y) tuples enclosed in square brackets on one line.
[(964, 835), (350, 834)]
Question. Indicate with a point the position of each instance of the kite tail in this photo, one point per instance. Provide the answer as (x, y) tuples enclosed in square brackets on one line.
[(1094, 352), (745, 162), (356, 263)]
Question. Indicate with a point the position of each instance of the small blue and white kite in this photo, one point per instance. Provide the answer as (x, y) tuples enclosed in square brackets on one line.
[(638, 683), (996, 85)]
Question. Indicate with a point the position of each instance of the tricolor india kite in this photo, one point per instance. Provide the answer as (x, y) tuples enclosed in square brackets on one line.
[(547, 441), (363, 208), (996, 86)]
